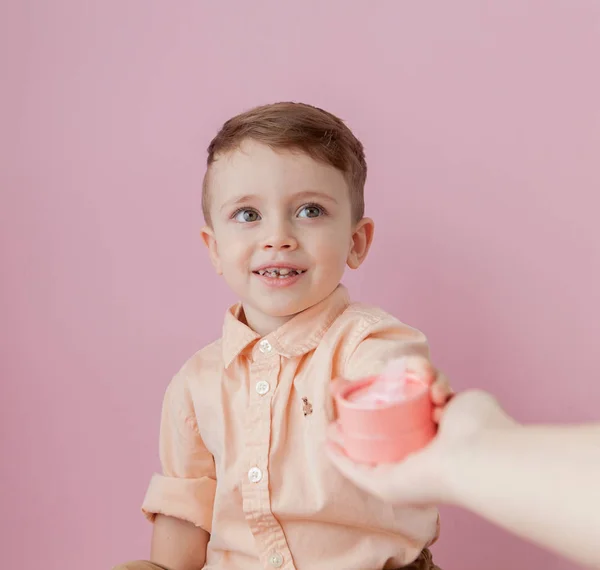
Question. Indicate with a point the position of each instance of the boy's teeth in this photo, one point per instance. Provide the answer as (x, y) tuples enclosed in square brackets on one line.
[(281, 272)]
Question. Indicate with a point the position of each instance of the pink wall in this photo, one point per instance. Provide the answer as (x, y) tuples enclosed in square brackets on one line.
[(482, 125)]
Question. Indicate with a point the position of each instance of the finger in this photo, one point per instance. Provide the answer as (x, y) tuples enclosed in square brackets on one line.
[(377, 480), (420, 368), (441, 391), (400, 483), (438, 413)]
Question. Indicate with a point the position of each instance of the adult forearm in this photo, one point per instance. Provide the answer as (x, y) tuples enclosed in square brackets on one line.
[(542, 483)]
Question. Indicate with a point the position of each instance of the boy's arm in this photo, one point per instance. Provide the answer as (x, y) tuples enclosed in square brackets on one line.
[(180, 500), (384, 340), (178, 544)]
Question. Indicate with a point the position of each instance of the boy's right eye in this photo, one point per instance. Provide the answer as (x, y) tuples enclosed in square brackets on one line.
[(246, 215)]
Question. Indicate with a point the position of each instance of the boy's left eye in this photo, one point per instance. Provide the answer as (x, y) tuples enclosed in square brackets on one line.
[(310, 211), (246, 215)]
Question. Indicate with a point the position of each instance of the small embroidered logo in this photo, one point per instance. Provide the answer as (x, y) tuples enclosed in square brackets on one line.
[(306, 407)]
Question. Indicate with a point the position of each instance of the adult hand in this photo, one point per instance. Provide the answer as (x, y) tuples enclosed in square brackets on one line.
[(426, 477)]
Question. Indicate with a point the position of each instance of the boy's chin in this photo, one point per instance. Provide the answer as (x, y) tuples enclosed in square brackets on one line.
[(280, 308), (287, 308)]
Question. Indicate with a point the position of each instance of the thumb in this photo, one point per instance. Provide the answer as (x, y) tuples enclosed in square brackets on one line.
[(359, 474), (407, 483)]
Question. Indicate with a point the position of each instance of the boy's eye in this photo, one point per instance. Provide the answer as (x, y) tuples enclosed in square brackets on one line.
[(310, 211), (246, 215)]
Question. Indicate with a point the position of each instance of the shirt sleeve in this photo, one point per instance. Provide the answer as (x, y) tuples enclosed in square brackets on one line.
[(186, 488), (380, 341)]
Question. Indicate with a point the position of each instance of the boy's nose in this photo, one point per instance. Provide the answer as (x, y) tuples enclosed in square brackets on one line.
[(281, 242)]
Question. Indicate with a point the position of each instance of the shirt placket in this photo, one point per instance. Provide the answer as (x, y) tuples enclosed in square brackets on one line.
[(264, 372)]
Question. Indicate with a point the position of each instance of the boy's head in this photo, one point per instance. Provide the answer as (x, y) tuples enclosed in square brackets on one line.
[(300, 128), (283, 203)]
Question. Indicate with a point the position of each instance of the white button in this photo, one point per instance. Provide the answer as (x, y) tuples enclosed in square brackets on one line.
[(264, 346), (262, 387), (276, 560), (255, 475)]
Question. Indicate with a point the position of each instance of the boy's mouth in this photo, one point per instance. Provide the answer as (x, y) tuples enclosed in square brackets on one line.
[(279, 272)]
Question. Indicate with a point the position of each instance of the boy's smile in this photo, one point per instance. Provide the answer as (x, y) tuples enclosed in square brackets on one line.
[(282, 231), (281, 275)]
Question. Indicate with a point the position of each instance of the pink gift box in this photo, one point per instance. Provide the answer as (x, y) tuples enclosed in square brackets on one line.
[(386, 433)]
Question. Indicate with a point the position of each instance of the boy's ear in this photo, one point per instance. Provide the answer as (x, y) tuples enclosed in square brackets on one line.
[(362, 238), (208, 237)]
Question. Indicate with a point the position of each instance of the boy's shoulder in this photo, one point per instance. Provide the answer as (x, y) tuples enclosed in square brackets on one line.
[(357, 311), (366, 318), (360, 322), (367, 337)]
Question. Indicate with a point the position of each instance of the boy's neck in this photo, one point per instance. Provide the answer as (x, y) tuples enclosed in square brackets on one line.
[(261, 323)]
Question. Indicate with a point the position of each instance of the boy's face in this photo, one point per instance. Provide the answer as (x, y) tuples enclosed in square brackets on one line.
[(282, 231)]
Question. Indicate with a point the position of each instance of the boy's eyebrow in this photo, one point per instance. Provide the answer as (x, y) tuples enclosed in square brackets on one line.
[(239, 200), (308, 194)]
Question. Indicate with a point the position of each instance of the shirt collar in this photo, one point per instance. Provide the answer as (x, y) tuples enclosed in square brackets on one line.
[(298, 336)]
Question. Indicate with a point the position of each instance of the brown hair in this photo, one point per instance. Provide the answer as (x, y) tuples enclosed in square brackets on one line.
[(319, 134)]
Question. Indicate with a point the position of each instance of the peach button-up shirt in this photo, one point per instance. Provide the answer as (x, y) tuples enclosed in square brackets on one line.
[(242, 446)]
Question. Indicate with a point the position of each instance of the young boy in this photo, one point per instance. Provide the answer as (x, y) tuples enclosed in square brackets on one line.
[(246, 483)]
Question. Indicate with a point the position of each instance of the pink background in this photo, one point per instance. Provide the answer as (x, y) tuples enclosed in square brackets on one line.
[(482, 126)]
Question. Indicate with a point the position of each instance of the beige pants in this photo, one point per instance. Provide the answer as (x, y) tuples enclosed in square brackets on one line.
[(424, 562)]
